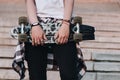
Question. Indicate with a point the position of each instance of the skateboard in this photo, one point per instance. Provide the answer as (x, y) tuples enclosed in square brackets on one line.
[(79, 31)]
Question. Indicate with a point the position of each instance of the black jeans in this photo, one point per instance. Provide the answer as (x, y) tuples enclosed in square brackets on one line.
[(65, 54)]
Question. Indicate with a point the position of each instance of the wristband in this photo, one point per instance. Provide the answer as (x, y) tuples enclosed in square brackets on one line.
[(35, 24), (65, 20)]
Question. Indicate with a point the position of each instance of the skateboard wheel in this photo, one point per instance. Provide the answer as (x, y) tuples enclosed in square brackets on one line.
[(77, 37), (77, 19), (22, 37), (23, 20)]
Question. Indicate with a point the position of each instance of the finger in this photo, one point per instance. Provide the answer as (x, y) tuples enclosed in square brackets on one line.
[(42, 41), (60, 39), (36, 41), (33, 41), (44, 37), (66, 40)]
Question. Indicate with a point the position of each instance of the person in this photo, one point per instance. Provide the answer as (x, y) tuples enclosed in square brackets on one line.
[(44, 16)]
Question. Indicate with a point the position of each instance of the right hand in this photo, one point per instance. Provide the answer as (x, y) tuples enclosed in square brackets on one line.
[(38, 36)]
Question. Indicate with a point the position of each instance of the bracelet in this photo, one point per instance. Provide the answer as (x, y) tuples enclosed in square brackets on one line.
[(65, 20), (35, 24)]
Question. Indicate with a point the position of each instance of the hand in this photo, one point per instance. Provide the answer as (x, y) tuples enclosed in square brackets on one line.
[(38, 36), (62, 35)]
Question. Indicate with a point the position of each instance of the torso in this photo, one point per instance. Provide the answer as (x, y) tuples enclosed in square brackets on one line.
[(50, 8)]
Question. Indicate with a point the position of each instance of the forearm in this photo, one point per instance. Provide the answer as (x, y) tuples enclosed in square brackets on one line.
[(31, 11), (68, 9)]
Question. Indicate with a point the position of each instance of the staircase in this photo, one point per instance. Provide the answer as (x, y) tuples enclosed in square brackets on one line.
[(102, 55)]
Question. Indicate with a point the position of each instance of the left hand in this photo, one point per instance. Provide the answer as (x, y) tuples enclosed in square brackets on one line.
[(62, 35)]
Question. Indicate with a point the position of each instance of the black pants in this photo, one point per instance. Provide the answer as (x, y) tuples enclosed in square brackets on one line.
[(65, 54)]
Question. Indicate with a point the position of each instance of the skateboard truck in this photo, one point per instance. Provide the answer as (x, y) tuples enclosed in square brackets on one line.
[(22, 37)]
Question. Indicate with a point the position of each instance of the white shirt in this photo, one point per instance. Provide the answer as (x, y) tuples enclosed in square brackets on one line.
[(50, 8)]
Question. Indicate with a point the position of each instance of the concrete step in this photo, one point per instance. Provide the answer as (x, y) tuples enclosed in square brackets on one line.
[(5, 36), (12, 8), (9, 42), (100, 16), (7, 63), (10, 12), (96, 8), (7, 53), (96, 1), (22, 1), (12, 75), (96, 45), (9, 21), (107, 34), (105, 27), (88, 75), (12, 2), (103, 66), (89, 53), (12, 15), (107, 39), (6, 29), (101, 76), (108, 76), (112, 56)]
